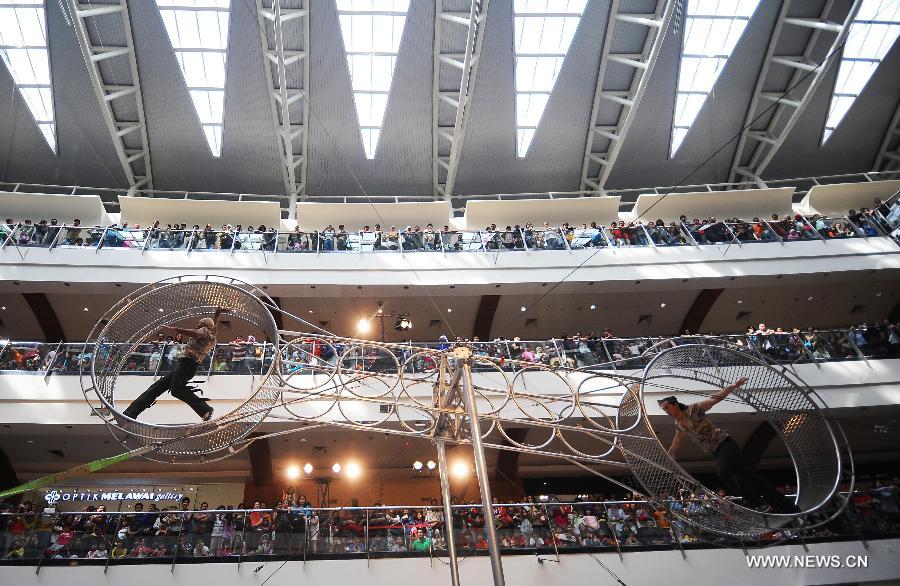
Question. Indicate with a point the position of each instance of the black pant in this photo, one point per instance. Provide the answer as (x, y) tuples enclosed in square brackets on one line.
[(741, 480), (176, 382)]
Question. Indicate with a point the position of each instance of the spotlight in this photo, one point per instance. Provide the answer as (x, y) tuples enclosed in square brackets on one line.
[(363, 326), (593, 307), (663, 305), (449, 309), (293, 472), (353, 470), (460, 469), (336, 468), (417, 465), (308, 468), (403, 323), (86, 309), (430, 464), (523, 308)]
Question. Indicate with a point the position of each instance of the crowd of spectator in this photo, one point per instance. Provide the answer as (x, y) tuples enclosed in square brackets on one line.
[(618, 233), (246, 355), (293, 526)]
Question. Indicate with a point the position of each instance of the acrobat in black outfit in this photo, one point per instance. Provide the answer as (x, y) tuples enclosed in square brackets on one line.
[(737, 476), (202, 342)]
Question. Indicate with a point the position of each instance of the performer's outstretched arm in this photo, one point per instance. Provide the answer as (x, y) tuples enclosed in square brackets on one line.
[(712, 401), (676, 442), (194, 333)]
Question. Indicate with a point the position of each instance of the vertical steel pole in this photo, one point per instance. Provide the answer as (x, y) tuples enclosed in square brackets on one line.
[(482, 472), (449, 536)]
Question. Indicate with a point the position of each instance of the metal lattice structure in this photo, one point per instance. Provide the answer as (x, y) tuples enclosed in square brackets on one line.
[(112, 69), (453, 396), (765, 130), (888, 158), (458, 38), (791, 408), (284, 34), (128, 323), (615, 106)]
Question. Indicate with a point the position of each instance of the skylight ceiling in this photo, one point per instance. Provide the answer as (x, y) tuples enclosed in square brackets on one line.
[(543, 33), (371, 30), (872, 34), (23, 46), (198, 30), (712, 28)]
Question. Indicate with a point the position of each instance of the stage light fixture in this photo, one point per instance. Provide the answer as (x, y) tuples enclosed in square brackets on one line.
[(293, 472), (336, 468), (308, 468), (353, 470), (417, 465), (460, 469), (430, 464)]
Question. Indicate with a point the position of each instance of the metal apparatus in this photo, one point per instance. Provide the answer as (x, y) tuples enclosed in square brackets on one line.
[(452, 395)]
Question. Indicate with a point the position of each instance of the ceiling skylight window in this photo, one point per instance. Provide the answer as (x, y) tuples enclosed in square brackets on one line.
[(23, 47), (371, 30), (872, 33), (543, 33), (198, 30), (712, 28)]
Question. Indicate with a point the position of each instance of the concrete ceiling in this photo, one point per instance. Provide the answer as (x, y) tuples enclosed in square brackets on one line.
[(249, 162)]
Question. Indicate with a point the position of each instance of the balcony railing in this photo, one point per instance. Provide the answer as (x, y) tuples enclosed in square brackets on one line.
[(302, 532), (312, 355), (528, 239)]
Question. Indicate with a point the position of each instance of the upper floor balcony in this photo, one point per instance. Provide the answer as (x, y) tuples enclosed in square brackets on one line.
[(510, 239)]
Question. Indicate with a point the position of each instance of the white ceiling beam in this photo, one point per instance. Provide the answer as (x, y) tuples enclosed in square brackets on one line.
[(760, 141), (599, 160), (129, 137), (286, 65), (451, 61)]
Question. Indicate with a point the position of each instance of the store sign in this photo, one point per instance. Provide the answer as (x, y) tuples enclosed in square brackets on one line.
[(55, 496)]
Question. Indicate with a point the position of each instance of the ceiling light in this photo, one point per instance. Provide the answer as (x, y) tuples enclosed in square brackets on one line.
[(86, 309), (810, 298), (308, 468), (353, 470), (161, 310), (336, 468), (876, 295), (430, 464), (417, 465), (460, 469), (363, 326), (523, 308), (663, 304), (740, 301), (310, 312), (449, 309), (593, 307), (293, 472), (380, 310), (3, 307)]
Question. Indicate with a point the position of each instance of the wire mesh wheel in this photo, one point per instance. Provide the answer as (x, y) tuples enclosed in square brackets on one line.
[(795, 411), (129, 323)]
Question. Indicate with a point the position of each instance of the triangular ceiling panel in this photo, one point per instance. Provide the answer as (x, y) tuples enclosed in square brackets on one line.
[(712, 29), (198, 31), (873, 32), (544, 30), (24, 49), (371, 30)]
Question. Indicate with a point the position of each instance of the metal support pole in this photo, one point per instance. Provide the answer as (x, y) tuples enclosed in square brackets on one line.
[(481, 471), (449, 536)]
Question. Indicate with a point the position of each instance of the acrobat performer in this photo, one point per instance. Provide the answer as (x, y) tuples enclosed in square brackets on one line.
[(202, 342), (735, 474)]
